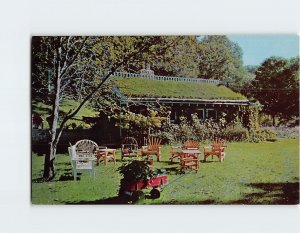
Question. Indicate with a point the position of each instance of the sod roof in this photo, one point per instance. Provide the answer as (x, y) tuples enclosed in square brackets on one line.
[(140, 87)]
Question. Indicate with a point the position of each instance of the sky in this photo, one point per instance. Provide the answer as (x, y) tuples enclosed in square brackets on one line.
[(256, 48)]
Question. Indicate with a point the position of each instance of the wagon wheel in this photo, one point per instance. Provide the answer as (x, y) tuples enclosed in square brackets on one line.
[(137, 196), (155, 193)]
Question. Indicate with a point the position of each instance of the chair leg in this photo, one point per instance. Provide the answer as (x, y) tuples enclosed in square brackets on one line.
[(75, 175)]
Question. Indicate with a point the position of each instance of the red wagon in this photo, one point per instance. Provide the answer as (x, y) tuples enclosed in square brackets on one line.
[(134, 189)]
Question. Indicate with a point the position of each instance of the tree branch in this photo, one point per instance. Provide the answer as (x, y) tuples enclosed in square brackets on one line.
[(69, 116)]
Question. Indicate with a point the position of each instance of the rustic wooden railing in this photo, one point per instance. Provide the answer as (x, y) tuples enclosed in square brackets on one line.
[(166, 78)]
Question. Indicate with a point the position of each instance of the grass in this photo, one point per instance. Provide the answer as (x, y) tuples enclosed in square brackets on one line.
[(262, 173), (45, 110), (137, 87)]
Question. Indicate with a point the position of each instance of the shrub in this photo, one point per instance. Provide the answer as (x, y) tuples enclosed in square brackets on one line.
[(261, 135), (269, 135), (236, 133), (185, 130), (207, 130), (256, 135)]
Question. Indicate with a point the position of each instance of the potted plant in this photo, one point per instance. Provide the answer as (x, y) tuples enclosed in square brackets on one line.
[(134, 172), (137, 175)]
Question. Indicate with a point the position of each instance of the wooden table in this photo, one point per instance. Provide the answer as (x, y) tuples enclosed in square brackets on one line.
[(106, 153), (189, 152), (189, 159)]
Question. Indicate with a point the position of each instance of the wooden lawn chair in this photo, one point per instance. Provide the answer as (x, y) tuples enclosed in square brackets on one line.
[(153, 148), (216, 149), (175, 150), (190, 145), (129, 147)]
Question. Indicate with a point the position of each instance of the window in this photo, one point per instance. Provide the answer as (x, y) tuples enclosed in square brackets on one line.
[(211, 113), (200, 113)]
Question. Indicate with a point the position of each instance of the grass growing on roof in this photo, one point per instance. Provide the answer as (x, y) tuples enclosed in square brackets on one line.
[(139, 87), (252, 173)]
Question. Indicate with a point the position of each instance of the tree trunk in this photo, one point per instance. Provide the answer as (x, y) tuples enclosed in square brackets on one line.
[(49, 169)]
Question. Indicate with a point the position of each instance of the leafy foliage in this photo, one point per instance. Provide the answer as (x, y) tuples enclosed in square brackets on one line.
[(180, 60), (135, 170), (243, 127), (277, 87), (221, 59)]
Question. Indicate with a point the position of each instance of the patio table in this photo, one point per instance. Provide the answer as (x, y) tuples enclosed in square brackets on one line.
[(189, 159), (104, 153), (189, 152)]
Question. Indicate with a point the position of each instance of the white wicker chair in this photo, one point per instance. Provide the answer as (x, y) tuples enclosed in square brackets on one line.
[(83, 156)]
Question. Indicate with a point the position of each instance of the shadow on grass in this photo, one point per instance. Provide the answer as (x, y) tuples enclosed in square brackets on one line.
[(39, 108), (108, 201), (272, 194), (203, 202), (67, 177), (63, 163), (208, 161), (172, 170), (122, 201), (117, 200), (39, 180)]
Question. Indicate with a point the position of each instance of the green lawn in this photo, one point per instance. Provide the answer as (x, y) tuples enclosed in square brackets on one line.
[(45, 110), (262, 173)]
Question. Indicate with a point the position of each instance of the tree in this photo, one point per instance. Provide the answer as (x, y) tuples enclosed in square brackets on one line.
[(220, 59), (290, 102), (77, 67), (277, 87), (179, 59)]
